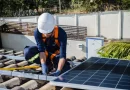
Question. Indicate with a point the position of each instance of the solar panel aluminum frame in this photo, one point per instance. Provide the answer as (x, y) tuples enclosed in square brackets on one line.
[(27, 75), (88, 87), (14, 57), (3, 89)]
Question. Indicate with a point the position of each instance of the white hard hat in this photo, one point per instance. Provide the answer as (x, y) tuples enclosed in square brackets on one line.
[(46, 23)]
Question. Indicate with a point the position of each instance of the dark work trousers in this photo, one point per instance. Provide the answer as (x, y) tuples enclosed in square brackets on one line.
[(30, 51)]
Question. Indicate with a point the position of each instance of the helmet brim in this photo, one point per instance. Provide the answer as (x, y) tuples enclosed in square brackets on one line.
[(45, 31)]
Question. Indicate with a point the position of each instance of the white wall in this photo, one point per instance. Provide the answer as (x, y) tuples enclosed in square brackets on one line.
[(89, 21), (110, 24), (12, 19), (18, 42), (30, 19), (126, 24), (66, 20)]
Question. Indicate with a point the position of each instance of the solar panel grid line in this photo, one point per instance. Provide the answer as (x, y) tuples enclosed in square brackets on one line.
[(72, 68), (99, 73), (122, 74), (75, 67), (94, 73), (82, 71), (108, 73)]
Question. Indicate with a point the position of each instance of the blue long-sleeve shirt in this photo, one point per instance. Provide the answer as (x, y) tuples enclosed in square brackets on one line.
[(62, 38)]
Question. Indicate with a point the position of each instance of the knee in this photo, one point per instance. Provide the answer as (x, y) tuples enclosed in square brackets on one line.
[(30, 51), (26, 52)]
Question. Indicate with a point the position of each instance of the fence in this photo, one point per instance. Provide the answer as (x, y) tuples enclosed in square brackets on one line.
[(111, 24), (73, 32)]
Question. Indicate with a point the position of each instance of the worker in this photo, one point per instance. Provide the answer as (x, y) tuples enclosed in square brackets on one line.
[(51, 46)]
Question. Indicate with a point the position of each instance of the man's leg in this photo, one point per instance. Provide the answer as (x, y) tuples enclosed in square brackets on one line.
[(31, 51)]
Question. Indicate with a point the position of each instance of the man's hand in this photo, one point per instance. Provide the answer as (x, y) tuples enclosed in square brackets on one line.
[(44, 69), (43, 63), (59, 69), (57, 73)]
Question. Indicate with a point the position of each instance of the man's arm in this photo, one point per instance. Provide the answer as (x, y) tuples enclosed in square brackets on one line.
[(43, 63), (63, 43), (42, 57), (61, 64), (40, 45)]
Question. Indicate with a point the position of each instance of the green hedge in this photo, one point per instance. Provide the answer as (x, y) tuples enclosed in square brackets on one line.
[(120, 50)]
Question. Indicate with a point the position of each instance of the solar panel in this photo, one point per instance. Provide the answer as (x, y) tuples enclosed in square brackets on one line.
[(97, 74)]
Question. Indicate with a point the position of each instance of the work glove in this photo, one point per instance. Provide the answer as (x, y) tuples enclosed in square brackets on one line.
[(57, 73), (44, 69)]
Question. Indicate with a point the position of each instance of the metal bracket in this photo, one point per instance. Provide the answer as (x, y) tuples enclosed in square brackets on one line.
[(47, 78), (14, 57), (27, 75), (3, 72)]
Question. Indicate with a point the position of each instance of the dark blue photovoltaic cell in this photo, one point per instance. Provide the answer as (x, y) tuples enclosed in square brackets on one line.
[(125, 76), (71, 74), (102, 72), (123, 63), (113, 78), (114, 75), (67, 77), (124, 83), (127, 71), (125, 80), (102, 61), (92, 83), (119, 69), (77, 81), (61, 80), (82, 78), (95, 80), (93, 59), (110, 81), (100, 77), (113, 62), (126, 87), (108, 85)]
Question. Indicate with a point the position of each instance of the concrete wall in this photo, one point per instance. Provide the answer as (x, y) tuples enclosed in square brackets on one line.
[(89, 21), (126, 24), (110, 24), (18, 42), (66, 20)]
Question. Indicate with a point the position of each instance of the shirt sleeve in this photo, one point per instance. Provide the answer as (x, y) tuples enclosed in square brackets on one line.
[(63, 42), (40, 43)]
